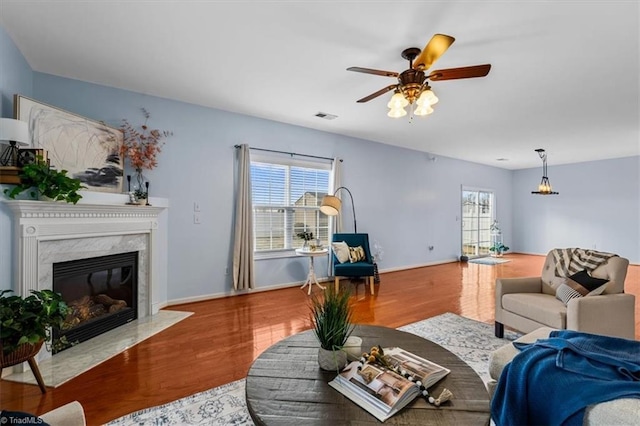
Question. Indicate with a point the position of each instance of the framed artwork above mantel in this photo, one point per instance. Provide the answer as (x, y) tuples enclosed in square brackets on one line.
[(87, 149)]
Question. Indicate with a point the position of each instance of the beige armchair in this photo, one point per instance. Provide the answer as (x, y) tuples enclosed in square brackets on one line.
[(526, 304)]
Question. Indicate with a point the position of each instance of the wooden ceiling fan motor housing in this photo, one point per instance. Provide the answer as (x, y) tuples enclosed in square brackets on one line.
[(411, 83)]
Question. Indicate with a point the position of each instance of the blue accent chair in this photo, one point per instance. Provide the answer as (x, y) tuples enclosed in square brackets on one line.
[(363, 268)]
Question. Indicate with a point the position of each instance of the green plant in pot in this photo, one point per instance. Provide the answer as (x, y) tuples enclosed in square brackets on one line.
[(498, 248), (29, 320), (44, 182), (331, 315)]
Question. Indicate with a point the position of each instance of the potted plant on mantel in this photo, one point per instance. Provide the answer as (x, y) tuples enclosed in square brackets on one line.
[(331, 315), (25, 324), (46, 183)]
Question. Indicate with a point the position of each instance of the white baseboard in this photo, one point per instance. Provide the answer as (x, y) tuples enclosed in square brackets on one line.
[(237, 293), (421, 265), (286, 285)]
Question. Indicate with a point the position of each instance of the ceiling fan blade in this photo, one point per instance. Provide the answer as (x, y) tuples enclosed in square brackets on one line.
[(378, 93), (372, 71), (463, 72), (438, 44)]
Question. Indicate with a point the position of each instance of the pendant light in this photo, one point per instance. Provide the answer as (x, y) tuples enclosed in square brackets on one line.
[(545, 187)]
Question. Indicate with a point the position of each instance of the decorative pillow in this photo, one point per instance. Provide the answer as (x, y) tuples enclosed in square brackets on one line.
[(356, 254), (341, 250), (572, 289), (587, 281)]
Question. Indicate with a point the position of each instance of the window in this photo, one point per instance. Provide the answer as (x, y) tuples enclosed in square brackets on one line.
[(477, 216), (286, 196)]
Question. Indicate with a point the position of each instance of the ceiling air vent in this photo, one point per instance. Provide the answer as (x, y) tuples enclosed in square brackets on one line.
[(326, 116)]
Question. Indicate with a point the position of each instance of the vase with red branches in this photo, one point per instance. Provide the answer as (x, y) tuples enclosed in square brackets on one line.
[(141, 146)]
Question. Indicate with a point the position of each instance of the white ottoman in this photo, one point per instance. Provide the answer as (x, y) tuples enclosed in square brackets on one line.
[(617, 412)]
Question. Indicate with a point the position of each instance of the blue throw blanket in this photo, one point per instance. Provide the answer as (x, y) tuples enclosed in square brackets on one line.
[(552, 381)]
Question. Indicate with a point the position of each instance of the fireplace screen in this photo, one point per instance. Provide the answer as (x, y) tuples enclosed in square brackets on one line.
[(101, 293)]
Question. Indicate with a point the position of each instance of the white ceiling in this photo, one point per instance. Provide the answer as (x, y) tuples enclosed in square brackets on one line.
[(564, 77)]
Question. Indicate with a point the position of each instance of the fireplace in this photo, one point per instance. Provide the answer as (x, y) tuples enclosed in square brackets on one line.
[(101, 293)]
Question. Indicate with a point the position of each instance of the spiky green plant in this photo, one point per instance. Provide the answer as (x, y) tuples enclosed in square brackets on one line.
[(331, 315)]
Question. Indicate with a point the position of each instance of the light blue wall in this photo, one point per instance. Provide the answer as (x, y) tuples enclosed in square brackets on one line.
[(598, 207), (16, 76), (405, 201)]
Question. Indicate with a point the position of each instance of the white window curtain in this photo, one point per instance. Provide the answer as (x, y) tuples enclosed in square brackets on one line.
[(336, 224), (337, 183), (243, 271)]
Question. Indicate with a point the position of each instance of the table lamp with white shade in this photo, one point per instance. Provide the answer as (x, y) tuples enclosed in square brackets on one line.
[(16, 133)]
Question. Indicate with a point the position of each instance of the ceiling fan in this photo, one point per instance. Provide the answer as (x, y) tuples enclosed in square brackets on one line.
[(412, 83)]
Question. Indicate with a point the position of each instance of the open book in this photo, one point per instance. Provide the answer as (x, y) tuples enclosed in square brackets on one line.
[(383, 392)]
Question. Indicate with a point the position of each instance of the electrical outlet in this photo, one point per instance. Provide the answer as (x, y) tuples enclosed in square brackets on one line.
[(430, 248), (226, 270), (196, 218), (196, 206)]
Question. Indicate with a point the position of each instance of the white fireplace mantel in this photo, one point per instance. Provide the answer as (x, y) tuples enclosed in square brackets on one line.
[(49, 232)]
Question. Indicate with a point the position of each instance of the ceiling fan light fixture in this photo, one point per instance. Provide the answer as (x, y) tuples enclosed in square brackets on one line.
[(397, 112), (424, 109), (411, 87), (427, 96), (397, 101)]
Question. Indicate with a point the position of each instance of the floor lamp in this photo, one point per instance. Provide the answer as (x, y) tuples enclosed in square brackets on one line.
[(331, 206), (16, 133)]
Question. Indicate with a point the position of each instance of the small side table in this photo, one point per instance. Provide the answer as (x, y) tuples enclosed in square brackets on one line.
[(311, 277)]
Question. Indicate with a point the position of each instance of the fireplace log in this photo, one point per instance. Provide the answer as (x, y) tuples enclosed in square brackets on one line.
[(108, 301), (117, 306)]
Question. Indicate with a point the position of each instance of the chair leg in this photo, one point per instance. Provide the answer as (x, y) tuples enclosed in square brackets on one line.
[(371, 285), (499, 329), (36, 373), (337, 284)]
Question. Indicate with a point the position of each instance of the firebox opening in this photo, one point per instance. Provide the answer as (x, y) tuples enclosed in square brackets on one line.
[(101, 293)]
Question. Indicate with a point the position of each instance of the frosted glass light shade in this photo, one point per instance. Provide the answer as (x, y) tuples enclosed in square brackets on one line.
[(397, 112), (424, 109), (427, 97), (397, 101)]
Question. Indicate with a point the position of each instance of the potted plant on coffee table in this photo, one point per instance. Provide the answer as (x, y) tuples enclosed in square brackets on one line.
[(25, 324), (331, 315), (46, 183)]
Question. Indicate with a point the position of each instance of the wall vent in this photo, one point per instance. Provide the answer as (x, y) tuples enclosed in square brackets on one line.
[(326, 116)]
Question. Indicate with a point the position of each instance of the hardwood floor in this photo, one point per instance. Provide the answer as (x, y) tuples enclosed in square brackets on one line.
[(219, 342)]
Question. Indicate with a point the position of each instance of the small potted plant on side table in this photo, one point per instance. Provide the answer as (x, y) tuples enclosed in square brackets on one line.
[(306, 236), (331, 315)]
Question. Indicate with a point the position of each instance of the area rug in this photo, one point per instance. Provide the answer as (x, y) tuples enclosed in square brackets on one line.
[(470, 340), (488, 261)]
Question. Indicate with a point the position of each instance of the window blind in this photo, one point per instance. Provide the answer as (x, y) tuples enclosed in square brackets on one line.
[(286, 196)]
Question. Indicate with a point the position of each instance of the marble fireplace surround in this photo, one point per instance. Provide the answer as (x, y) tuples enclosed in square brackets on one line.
[(50, 232)]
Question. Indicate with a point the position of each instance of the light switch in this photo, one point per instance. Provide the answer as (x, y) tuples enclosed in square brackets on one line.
[(196, 218)]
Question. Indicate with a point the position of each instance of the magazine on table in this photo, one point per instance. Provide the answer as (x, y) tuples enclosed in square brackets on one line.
[(383, 392)]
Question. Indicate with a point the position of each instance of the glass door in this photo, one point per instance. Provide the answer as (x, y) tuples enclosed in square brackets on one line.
[(477, 216)]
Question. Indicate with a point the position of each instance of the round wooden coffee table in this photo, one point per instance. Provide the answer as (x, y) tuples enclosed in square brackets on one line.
[(285, 386)]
